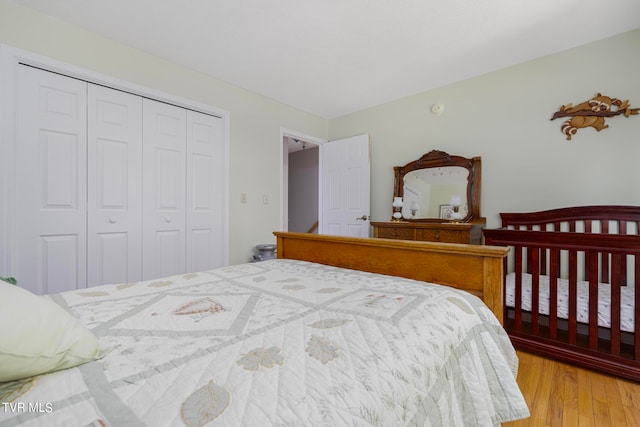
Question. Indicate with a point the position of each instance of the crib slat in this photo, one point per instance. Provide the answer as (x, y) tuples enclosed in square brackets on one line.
[(616, 265), (528, 252), (592, 262), (622, 229), (544, 268), (518, 290), (604, 257), (556, 227), (636, 304), (573, 296), (587, 229), (554, 257), (535, 290)]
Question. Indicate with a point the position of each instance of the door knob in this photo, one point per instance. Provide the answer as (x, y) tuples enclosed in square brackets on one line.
[(363, 218), (113, 220), (167, 220)]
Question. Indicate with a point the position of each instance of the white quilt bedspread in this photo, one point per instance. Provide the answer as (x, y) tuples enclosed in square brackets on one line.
[(282, 343)]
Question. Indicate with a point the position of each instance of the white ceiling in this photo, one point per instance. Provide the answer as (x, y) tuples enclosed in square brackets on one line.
[(333, 57)]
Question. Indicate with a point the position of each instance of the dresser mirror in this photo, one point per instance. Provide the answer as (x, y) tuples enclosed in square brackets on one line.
[(439, 187)]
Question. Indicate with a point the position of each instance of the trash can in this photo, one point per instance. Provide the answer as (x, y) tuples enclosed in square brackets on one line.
[(265, 252)]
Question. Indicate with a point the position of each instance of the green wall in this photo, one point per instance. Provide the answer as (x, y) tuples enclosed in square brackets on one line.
[(501, 116), (504, 117), (256, 121)]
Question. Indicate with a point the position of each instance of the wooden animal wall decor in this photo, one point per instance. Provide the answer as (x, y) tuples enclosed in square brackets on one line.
[(592, 113)]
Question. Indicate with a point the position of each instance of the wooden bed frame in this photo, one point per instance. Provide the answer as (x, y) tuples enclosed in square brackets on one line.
[(594, 244), (473, 268)]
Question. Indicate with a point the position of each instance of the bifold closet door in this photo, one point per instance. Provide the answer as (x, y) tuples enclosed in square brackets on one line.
[(164, 189), (112, 187), (50, 231), (114, 251), (205, 191)]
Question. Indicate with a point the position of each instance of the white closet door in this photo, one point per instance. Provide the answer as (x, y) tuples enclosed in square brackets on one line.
[(205, 191), (50, 210), (164, 198), (115, 186)]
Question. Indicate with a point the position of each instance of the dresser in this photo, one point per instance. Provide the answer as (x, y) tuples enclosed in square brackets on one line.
[(446, 232)]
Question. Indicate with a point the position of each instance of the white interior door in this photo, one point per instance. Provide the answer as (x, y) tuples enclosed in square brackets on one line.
[(114, 201), (50, 209), (345, 173), (163, 209), (205, 192)]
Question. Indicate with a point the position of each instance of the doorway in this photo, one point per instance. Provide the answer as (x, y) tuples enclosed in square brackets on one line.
[(300, 186), (335, 184)]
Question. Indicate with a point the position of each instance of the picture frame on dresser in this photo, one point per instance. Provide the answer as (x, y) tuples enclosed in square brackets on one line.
[(446, 211)]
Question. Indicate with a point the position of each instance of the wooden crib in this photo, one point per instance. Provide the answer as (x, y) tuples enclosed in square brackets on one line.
[(570, 281)]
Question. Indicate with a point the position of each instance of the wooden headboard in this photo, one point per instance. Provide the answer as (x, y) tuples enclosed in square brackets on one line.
[(474, 268)]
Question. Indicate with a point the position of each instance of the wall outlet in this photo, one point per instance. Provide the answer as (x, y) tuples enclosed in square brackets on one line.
[(265, 199), (243, 197)]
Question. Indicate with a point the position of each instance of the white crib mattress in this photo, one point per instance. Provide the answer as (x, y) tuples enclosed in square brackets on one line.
[(604, 298)]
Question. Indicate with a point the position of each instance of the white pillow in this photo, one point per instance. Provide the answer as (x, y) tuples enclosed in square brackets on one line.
[(38, 336)]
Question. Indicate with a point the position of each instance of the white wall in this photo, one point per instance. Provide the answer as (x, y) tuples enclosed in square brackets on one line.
[(256, 121), (504, 117)]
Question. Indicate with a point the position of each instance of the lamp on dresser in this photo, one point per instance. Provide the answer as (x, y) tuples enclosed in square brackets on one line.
[(397, 209), (456, 202)]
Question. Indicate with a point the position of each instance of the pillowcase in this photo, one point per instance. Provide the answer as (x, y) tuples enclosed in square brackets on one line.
[(39, 336)]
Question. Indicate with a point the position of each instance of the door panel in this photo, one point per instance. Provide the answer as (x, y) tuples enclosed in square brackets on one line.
[(168, 177), (168, 245), (50, 209), (205, 191), (345, 187), (112, 254), (58, 157), (59, 258), (163, 206), (115, 186)]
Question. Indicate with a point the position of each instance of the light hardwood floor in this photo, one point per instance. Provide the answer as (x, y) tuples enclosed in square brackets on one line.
[(559, 394)]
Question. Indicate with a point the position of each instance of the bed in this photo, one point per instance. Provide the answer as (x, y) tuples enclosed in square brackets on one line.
[(570, 281), (337, 331)]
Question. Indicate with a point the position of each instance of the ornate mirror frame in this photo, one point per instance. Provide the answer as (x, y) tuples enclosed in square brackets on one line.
[(437, 159)]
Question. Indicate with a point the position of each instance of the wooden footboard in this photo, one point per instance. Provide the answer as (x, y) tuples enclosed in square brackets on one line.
[(589, 254), (476, 269)]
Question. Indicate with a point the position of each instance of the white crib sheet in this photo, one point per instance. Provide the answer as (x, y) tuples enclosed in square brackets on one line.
[(604, 298)]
